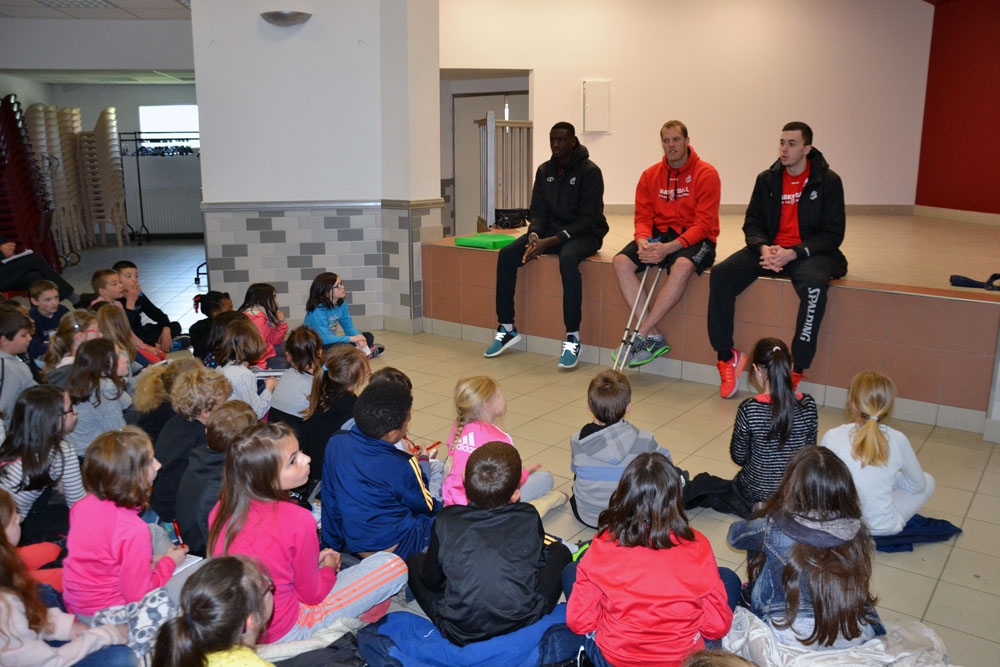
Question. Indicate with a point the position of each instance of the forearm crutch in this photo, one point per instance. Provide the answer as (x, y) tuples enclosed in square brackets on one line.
[(628, 337)]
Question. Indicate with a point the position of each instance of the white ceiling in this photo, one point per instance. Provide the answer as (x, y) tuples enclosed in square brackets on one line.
[(150, 10)]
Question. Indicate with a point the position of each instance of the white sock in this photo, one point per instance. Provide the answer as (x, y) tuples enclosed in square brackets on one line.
[(507, 327)]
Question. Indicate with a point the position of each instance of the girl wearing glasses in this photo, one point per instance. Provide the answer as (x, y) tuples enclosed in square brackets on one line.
[(326, 310)]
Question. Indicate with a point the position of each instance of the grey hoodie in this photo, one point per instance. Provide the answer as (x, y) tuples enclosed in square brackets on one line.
[(598, 462)]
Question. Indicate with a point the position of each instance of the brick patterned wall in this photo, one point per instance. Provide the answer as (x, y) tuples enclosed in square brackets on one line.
[(371, 247)]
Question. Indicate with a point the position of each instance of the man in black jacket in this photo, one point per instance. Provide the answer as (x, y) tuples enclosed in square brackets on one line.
[(794, 226), (567, 218)]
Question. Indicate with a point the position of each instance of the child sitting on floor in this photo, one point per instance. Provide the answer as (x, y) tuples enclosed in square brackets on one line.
[(15, 374), (375, 496), (211, 303), (770, 427), (46, 311), (290, 400), (891, 485), (75, 328), (194, 396), (161, 333), (648, 590), (488, 570), (809, 557), (480, 402), (201, 481), (224, 609), (603, 448)]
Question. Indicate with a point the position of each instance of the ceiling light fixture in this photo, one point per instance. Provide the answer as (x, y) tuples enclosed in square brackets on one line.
[(286, 19)]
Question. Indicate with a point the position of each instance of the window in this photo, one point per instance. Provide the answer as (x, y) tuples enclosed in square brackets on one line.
[(171, 125)]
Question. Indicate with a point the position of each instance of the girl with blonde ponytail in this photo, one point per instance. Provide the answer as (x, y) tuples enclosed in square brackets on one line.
[(891, 485)]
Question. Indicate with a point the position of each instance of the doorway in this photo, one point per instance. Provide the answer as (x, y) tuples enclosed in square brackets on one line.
[(467, 109)]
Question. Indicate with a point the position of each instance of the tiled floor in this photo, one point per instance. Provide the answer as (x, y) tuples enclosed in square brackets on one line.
[(953, 587)]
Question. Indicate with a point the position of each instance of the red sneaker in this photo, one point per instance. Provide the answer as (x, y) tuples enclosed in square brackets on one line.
[(796, 378), (730, 372)]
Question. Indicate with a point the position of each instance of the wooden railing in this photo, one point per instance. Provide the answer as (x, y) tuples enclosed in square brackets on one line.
[(505, 166)]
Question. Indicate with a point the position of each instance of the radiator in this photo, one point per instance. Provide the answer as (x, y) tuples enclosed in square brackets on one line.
[(171, 211)]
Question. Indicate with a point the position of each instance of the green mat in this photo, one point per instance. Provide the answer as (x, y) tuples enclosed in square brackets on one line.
[(486, 240)]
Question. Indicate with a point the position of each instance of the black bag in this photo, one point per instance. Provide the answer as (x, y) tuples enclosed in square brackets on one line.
[(511, 218)]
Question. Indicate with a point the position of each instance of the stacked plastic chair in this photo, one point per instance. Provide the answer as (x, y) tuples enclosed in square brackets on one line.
[(69, 123), (100, 167), (63, 192), (24, 206)]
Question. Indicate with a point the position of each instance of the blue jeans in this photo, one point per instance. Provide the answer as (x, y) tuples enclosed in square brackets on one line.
[(109, 656)]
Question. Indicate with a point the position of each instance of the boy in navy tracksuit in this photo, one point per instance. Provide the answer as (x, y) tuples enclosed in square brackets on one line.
[(46, 311), (374, 496)]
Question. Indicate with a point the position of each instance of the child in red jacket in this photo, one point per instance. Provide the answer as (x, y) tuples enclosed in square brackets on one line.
[(648, 590)]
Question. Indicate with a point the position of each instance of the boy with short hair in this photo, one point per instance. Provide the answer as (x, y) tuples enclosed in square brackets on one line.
[(199, 487), (161, 332), (488, 571), (46, 311), (375, 497), (15, 376), (194, 396), (107, 287), (603, 448)]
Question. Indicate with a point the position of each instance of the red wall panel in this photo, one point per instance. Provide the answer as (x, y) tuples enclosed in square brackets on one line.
[(960, 144)]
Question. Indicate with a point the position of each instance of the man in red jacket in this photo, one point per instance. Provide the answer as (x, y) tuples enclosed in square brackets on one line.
[(676, 227)]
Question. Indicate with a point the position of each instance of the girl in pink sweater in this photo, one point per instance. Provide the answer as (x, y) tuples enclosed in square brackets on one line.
[(254, 517), (110, 559), (479, 402), (32, 634), (261, 306)]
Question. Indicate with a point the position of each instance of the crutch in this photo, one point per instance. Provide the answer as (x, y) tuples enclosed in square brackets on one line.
[(628, 337)]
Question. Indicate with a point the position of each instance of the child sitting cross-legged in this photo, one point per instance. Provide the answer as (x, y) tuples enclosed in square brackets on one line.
[(603, 448), (488, 570), (195, 395), (46, 311), (199, 488)]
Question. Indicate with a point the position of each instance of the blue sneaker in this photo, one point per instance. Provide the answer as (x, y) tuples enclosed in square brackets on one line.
[(181, 343), (570, 356), (503, 341)]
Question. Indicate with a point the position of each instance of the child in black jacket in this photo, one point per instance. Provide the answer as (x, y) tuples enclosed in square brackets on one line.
[(488, 570)]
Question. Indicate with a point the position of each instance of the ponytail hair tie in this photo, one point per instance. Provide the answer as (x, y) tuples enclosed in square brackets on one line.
[(775, 349), (873, 418), (325, 369)]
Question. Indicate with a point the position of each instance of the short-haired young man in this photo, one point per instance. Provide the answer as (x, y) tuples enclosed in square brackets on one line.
[(488, 570), (676, 227), (794, 227), (567, 218), (15, 376), (374, 496)]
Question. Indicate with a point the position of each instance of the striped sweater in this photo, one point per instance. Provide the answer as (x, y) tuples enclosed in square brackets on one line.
[(762, 459)]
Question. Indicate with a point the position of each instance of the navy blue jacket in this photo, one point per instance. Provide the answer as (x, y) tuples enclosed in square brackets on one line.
[(374, 496)]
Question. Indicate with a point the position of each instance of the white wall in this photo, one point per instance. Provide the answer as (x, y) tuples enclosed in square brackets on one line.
[(734, 71), (27, 92), (289, 114)]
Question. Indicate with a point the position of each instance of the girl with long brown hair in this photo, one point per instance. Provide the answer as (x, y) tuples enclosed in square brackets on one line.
[(809, 563)]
